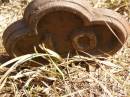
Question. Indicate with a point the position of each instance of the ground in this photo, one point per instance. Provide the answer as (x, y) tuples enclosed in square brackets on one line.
[(64, 77)]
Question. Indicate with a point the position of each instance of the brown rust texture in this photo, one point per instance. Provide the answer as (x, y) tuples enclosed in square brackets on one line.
[(67, 26)]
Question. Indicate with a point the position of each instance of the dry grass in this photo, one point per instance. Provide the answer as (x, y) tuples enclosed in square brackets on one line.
[(78, 76)]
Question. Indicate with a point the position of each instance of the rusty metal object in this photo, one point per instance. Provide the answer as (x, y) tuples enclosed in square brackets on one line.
[(80, 39), (67, 26), (17, 40), (118, 28)]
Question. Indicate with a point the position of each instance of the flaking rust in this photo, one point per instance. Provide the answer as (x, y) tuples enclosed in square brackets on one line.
[(66, 26)]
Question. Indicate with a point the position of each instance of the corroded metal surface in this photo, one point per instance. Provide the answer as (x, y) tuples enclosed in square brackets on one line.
[(66, 26), (17, 41)]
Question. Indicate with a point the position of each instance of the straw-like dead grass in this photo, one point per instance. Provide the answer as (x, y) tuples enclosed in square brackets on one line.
[(78, 76)]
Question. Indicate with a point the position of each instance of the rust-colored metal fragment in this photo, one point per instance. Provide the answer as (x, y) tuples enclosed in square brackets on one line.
[(17, 39), (67, 26)]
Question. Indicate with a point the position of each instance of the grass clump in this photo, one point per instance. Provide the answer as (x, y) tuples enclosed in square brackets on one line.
[(68, 77)]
